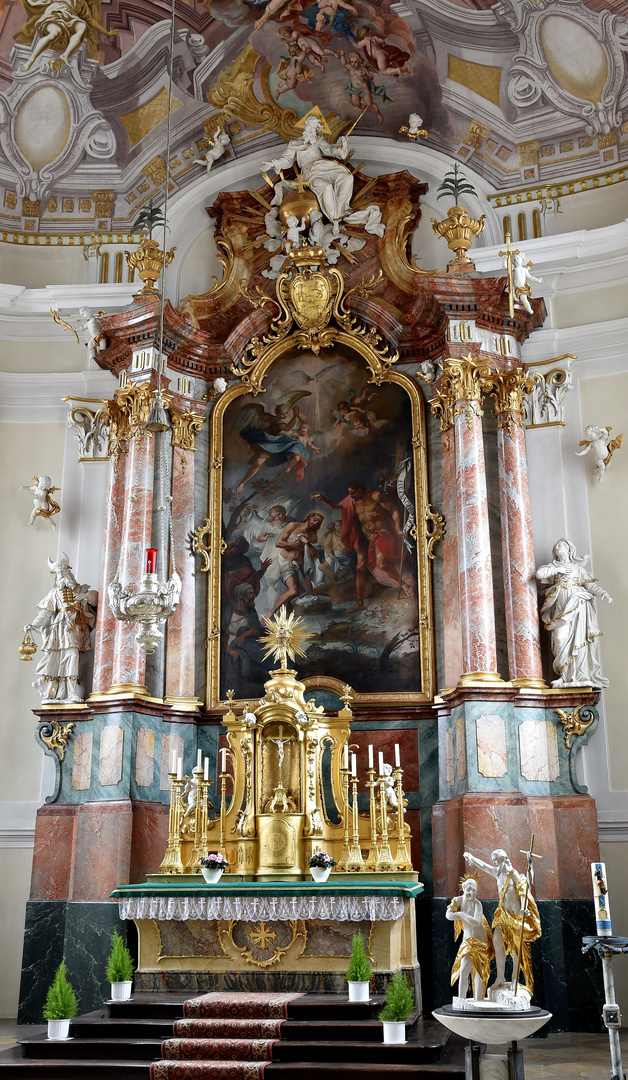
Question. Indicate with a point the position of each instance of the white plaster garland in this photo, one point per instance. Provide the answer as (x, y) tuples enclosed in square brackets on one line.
[(272, 908)]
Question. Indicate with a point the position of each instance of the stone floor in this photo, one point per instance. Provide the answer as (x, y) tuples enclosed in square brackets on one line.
[(559, 1057)]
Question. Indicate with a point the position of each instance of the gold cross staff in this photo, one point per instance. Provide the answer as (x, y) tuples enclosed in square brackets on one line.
[(509, 252), (530, 855)]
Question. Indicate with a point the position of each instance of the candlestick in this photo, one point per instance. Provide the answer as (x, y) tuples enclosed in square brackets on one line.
[(179, 768), (403, 860), (603, 925), (354, 767), (343, 861), (385, 860), (151, 560), (371, 756), (397, 758), (373, 855), (355, 861), (380, 759), (206, 769)]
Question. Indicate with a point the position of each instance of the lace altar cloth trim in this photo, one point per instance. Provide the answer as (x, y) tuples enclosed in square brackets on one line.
[(250, 908)]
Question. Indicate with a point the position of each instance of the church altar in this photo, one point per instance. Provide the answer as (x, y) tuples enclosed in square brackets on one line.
[(253, 934)]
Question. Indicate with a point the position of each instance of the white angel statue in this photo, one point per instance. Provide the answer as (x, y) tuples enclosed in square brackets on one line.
[(598, 441), (217, 149)]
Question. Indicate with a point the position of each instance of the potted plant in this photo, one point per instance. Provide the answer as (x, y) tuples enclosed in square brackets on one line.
[(213, 867), (120, 969), (398, 1005), (321, 865), (149, 258), (359, 971), (458, 227), (61, 1005)]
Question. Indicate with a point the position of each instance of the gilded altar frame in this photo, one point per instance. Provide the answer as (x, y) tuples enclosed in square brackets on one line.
[(252, 379)]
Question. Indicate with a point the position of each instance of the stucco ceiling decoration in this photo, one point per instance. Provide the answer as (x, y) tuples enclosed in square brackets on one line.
[(523, 93)]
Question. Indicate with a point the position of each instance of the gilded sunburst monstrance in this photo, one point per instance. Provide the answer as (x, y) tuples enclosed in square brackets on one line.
[(284, 637)]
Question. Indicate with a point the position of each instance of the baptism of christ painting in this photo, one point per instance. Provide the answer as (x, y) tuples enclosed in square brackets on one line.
[(319, 511)]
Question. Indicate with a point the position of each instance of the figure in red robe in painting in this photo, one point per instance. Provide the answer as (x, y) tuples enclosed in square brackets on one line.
[(237, 569), (371, 527)]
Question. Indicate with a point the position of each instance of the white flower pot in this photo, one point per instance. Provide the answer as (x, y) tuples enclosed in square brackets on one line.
[(320, 873), (211, 876), (58, 1029), (394, 1031), (359, 991), (121, 991)]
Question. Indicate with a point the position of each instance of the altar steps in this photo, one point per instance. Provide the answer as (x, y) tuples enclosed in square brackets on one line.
[(323, 1035)]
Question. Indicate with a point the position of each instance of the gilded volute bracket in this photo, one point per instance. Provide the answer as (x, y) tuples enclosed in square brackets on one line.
[(313, 313)]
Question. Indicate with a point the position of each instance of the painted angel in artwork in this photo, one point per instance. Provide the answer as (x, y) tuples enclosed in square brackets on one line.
[(272, 437), (381, 55), (292, 70), (361, 89), (309, 42), (61, 25), (598, 441)]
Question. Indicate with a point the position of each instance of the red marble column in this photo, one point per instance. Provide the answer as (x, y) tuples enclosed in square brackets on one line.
[(180, 651), (475, 574), (106, 622), (451, 587), (522, 612), (129, 658)]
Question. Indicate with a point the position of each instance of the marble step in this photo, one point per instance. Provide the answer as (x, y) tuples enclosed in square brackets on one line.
[(98, 1047), (15, 1067), (100, 1025), (411, 1052), (330, 1070), (334, 1007), (155, 1006)]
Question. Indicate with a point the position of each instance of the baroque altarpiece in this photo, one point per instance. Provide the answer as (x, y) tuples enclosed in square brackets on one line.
[(364, 470)]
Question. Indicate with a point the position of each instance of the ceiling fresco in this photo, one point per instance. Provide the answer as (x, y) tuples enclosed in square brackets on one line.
[(523, 92)]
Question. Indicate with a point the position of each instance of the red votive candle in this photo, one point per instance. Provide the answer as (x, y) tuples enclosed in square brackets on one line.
[(151, 560)]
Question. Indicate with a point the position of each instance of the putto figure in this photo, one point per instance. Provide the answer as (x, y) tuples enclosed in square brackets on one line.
[(66, 615), (510, 916), (43, 505), (569, 614), (598, 441), (217, 149), (521, 278), (473, 960)]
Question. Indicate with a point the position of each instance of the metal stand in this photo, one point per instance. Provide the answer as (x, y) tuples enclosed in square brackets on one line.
[(512, 1062), (606, 948)]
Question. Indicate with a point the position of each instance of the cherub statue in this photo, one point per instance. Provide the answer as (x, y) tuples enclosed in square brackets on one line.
[(473, 961), (414, 128), (217, 149), (569, 614), (96, 340), (323, 235), (66, 615), (43, 505), (598, 441), (521, 278), (509, 915), (293, 232), (389, 786)]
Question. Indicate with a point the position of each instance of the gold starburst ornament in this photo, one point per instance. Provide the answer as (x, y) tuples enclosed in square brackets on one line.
[(284, 637)]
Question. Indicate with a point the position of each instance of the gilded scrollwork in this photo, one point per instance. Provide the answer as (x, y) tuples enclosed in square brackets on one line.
[(262, 938), (185, 427), (56, 737), (434, 530), (200, 544)]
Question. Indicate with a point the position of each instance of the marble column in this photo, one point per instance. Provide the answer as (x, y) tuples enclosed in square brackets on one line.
[(451, 587), (463, 382), (106, 623), (181, 633), (129, 658), (522, 612)]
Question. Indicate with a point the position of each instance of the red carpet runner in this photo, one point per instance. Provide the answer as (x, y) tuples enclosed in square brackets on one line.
[(223, 1037)]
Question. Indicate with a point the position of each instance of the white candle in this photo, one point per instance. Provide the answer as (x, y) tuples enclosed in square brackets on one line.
[(354, 767), (206, 770), (397, 758), (173, 761), (223, 760), (346, 755), (179, 768), (603, 924), (371, 756), (199, 759), (380, 759)]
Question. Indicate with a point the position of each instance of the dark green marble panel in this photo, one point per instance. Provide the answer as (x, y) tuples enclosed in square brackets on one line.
[(78, 932)]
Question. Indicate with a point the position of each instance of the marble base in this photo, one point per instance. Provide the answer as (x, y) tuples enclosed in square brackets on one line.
[(493, 1030), (566, 983), (78, 932)]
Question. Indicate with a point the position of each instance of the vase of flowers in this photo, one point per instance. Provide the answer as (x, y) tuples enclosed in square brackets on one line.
[(398, 1005), (61, 1005), (213, 867), (359, 971), (321, 865), (120, 969)]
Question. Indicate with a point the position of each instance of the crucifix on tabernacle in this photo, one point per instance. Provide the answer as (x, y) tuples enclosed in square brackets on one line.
[(509, 252)]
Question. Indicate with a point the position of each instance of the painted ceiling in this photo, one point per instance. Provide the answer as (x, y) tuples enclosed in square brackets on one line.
[(525, 93)]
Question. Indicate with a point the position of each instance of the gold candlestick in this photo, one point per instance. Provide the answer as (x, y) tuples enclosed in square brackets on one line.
[(403, 860), (385, 861), (172, 863), (200, 821), (355, 861), (345, 854), (223, 812), (373, 856)]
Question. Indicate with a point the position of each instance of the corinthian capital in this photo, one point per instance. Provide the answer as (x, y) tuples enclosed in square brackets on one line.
[(508, 390), (185, 426), (461, 381)]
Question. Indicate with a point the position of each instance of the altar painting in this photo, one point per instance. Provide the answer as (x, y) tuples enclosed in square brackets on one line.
[(319, 505)]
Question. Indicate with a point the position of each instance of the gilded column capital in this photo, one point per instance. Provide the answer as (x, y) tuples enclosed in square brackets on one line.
[(462, 384), (127, 414), (185, 426), (508, 388)]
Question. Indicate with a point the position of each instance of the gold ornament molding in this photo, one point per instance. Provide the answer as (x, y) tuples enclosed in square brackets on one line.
[(185, 427), (202, 549), (508, 390), (56, 736), (435, 529), (149, 261), (573, 724), (560, 190), (462, 384), (459, 229)]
